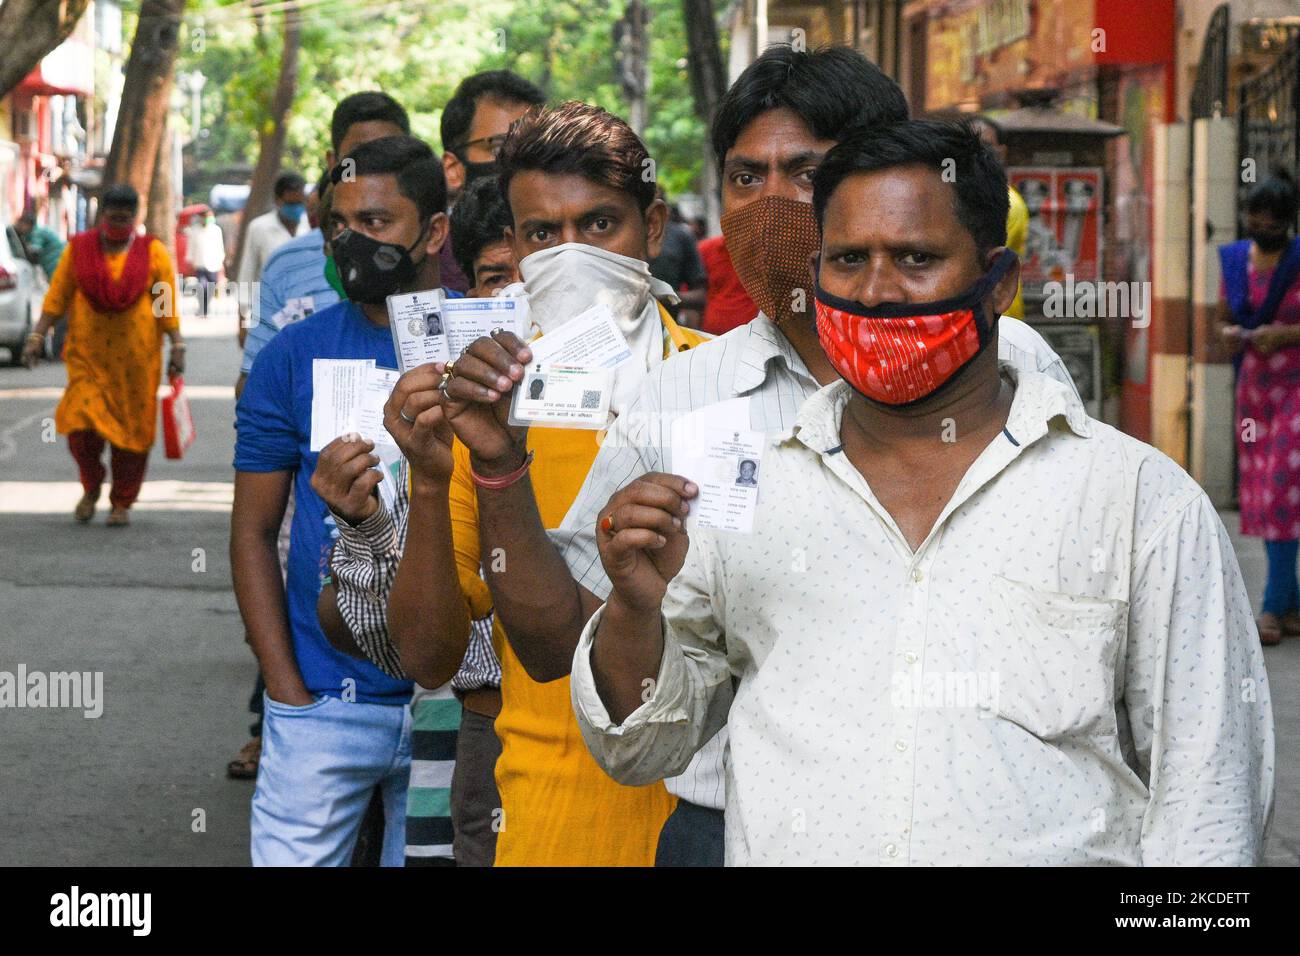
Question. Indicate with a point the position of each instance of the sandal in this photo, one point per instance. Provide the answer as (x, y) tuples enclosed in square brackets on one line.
[(244, 766), (1290, 622), (118, 518), (1270, 629), (85, 509)]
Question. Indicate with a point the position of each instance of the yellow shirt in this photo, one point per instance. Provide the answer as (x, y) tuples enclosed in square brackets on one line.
[(560, 808), (114, 360), (1017, 236)]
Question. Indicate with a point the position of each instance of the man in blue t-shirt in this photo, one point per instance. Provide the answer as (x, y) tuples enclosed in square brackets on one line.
[(294, 286), (335, 727)]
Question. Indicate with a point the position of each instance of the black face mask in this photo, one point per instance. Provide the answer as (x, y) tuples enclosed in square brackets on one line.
[(477, 171), (369, 270), (1270, 241)]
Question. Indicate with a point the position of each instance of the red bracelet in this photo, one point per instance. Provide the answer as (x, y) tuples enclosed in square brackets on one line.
[(505, 481)]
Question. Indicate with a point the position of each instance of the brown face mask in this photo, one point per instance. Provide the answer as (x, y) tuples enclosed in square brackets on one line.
[(771, 241)]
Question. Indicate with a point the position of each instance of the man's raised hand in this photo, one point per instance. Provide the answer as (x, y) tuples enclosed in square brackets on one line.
[(478, 401), (642, 538), (345, 477), (414, 416)]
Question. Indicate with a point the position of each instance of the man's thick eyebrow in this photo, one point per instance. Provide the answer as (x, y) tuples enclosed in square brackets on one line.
[(595, 212), (528, 224), (802, 159)]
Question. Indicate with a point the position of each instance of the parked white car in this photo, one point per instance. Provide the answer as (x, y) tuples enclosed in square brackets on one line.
[(17, 291)]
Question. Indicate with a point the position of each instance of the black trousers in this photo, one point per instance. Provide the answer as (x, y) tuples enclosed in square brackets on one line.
[(692, 836)]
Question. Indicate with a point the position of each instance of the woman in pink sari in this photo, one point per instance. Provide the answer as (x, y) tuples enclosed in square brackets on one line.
[(1261, 314)]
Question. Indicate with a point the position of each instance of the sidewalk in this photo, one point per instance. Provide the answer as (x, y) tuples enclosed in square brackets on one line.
[(1283, 664)]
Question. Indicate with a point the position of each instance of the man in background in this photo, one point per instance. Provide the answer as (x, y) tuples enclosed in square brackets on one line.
[(205, 248), (678, 264), (268, 232), (474, 125)]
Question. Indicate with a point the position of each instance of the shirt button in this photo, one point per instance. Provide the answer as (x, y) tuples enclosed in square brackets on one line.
[(917, 575), (910, 657), (891, 850), (900, 745)]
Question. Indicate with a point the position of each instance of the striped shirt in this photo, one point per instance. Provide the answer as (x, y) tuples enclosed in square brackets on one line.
[(754, 360), (295, 271), (363, 570)]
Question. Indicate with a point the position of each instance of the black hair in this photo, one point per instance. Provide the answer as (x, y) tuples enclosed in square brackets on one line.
[(366, 107), (833, 89), (120, 196), (1276, 196), (954, 150), (418, 171), (288, 183), (479, 219), (458, 114), (582, 139)]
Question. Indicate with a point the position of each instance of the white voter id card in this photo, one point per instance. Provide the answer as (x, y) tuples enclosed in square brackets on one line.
[(571, 377), (466, 320), (419, 336), (715, 448)]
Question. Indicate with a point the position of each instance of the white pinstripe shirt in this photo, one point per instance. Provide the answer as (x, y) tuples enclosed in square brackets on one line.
[(754, 360)]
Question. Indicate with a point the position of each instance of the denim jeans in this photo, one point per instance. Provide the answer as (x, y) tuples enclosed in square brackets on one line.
[(319, 765)]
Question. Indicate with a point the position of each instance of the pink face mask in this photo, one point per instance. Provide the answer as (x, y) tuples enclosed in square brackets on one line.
[(900, 354)]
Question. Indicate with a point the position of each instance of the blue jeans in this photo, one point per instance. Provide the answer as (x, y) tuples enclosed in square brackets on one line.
[(319, 766), (692, 836)]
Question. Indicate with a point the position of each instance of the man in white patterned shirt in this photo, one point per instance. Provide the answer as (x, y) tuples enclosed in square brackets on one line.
[(971, 625), (772, 128)]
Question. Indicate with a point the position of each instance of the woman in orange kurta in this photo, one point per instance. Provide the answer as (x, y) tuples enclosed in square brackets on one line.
[(108, 284)]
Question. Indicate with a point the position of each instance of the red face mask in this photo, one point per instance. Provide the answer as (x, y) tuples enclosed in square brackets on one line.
[(900, 354), (117, 233)]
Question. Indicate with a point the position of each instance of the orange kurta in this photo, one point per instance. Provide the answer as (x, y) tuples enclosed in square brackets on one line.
[(114, 359), (561, 808)]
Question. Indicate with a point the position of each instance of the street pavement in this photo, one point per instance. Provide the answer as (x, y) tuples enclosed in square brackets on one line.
[(151, 607)]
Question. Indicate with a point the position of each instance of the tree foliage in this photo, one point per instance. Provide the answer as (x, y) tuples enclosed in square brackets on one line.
[(417, 52)]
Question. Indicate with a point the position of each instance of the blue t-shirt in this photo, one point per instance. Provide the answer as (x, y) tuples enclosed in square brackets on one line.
[(296, 270), (273, 433)]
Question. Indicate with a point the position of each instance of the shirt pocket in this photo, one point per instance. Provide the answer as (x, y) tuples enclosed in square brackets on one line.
[(1054, 657)]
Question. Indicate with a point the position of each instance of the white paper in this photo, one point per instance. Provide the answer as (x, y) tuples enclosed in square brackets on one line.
[(715, 448), (466, 320), (335, 393), (348, 395), (592, 340), (419, 336)]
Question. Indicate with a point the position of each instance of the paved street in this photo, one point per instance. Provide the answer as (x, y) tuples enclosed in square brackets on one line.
[(125, 788)]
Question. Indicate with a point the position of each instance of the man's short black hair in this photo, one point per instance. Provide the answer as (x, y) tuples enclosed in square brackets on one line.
[(833, 89), (953, 150), (458, 114), (288, 183), (368, 107), (479, 219), (578, 138), (120, 196), (1275, 196), (418, 171)]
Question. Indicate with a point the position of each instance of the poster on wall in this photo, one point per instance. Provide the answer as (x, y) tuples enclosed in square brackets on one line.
[(1080, 350), (1064, 225)]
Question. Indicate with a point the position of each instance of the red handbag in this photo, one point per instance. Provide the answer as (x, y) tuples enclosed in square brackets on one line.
[(177, 422)]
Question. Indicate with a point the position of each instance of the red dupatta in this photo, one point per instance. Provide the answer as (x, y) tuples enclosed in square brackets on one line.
[(90, 268)]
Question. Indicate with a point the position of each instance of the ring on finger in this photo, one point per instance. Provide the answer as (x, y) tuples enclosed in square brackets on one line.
[(607, 524), (495, 332), (401, 413)]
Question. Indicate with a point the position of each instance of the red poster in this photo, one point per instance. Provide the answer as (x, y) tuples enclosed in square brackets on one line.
[(1064, 226)]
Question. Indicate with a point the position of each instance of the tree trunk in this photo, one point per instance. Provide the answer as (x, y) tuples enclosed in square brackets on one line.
[(631, 53), (160, 221), (708, 84), (271, 152), (146, 97), (29, 29)]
